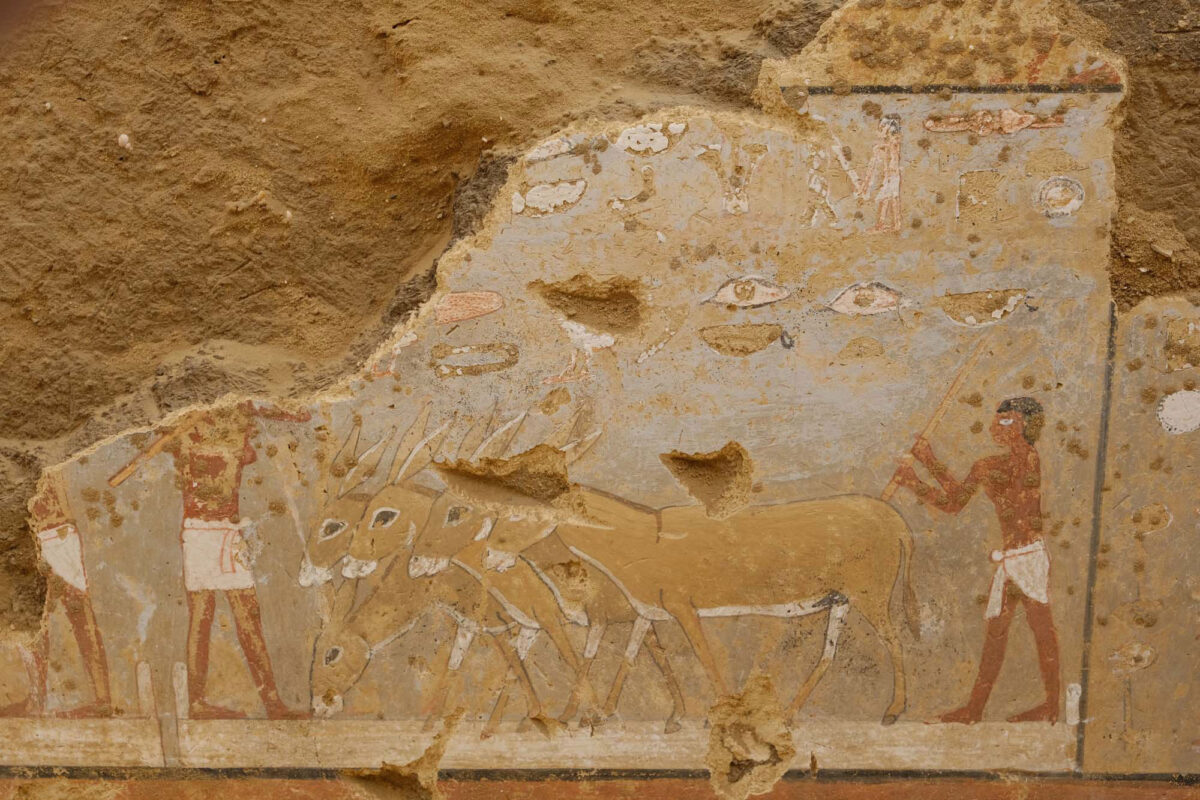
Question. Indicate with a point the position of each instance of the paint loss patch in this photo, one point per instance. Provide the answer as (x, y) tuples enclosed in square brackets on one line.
[(750, 743), (740, 340), (611, 304), (721, 480), (980, 308), (530, 479)]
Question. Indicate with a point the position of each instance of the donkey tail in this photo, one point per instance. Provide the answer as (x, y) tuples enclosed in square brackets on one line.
[(909, 597)]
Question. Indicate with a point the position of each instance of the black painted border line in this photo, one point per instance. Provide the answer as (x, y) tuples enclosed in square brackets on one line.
[(962, 88), (1110, 357), (582, 775)]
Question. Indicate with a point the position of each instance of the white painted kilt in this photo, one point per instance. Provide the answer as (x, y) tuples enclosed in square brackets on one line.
[(215, 556), (1028, 567), (63, 553)]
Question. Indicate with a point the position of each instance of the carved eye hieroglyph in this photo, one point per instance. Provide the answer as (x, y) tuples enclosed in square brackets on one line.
[(748, 291), (866, 298)]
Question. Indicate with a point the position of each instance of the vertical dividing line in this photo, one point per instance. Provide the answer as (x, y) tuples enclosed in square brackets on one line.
[(1094, 549)]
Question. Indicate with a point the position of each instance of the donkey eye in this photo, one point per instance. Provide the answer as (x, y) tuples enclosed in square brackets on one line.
[(748, 292), (1006, 422), (384, 518), (332, 655), (456, 514), (331, 528), (866, 298)]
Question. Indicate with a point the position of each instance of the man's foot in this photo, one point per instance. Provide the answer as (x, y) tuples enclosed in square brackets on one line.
[(964, 716), (86, 711), (203, 710), (283, 712), (21, 708), (1046, 712)]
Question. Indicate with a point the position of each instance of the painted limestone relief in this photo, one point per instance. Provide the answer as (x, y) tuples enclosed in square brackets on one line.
[(583, 496)]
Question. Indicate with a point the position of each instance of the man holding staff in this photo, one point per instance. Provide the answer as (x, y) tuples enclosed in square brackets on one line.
[(211, 448), (1012, 481)]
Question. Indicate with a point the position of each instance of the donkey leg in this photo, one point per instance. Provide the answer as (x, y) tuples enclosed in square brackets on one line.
[(636, 636), (553, 626), (432, 708), (533, 706), (659, 654), (689, 620), (833, 629), (497, 714), (582, 679)]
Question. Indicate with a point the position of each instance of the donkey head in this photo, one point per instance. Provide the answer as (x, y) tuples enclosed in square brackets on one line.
[(454, 522), (390, 519), (345, 472), (350, 639)]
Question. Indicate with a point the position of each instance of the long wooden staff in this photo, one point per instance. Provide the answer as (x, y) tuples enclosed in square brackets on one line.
[(938, 413), (150, 452)]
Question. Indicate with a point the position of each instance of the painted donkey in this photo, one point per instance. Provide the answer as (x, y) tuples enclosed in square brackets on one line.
[(786, 560), (459, 531), (518, 599), (345, 473)]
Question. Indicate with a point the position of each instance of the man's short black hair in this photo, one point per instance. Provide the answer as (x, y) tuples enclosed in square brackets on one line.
[(1031, 412)]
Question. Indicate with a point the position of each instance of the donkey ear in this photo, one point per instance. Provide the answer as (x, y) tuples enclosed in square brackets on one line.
[(495, 445), (576, 449), (422, 454), (365, 465), (474, 437), (338, 463), (409, 441), (561, 436)]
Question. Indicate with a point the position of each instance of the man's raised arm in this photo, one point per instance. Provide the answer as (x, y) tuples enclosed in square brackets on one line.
[(953, 495)]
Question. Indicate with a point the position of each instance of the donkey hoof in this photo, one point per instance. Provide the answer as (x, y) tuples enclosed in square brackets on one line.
[(890, 719), (672, 726)]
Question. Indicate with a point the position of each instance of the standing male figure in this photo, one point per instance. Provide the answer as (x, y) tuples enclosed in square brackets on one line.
[(884, 168), (1012, 482), (66, 581), (211, 448)]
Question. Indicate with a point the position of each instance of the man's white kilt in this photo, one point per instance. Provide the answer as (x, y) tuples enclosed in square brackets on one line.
[(215, 556), (1028, 567), (63, 553)]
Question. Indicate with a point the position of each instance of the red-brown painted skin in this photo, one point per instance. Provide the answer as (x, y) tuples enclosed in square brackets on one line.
[(1012, 482), (210, 455), (49, 509)]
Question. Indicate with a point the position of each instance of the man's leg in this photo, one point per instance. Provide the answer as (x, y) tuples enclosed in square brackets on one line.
[(989, 665), (1041, 621), (35, 660), (246, 614), (87, 634), (202, 606)]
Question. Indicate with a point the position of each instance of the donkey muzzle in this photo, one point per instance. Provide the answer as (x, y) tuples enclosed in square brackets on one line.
[(325, 710), (356, 568), (312, 575), (422, 566)]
